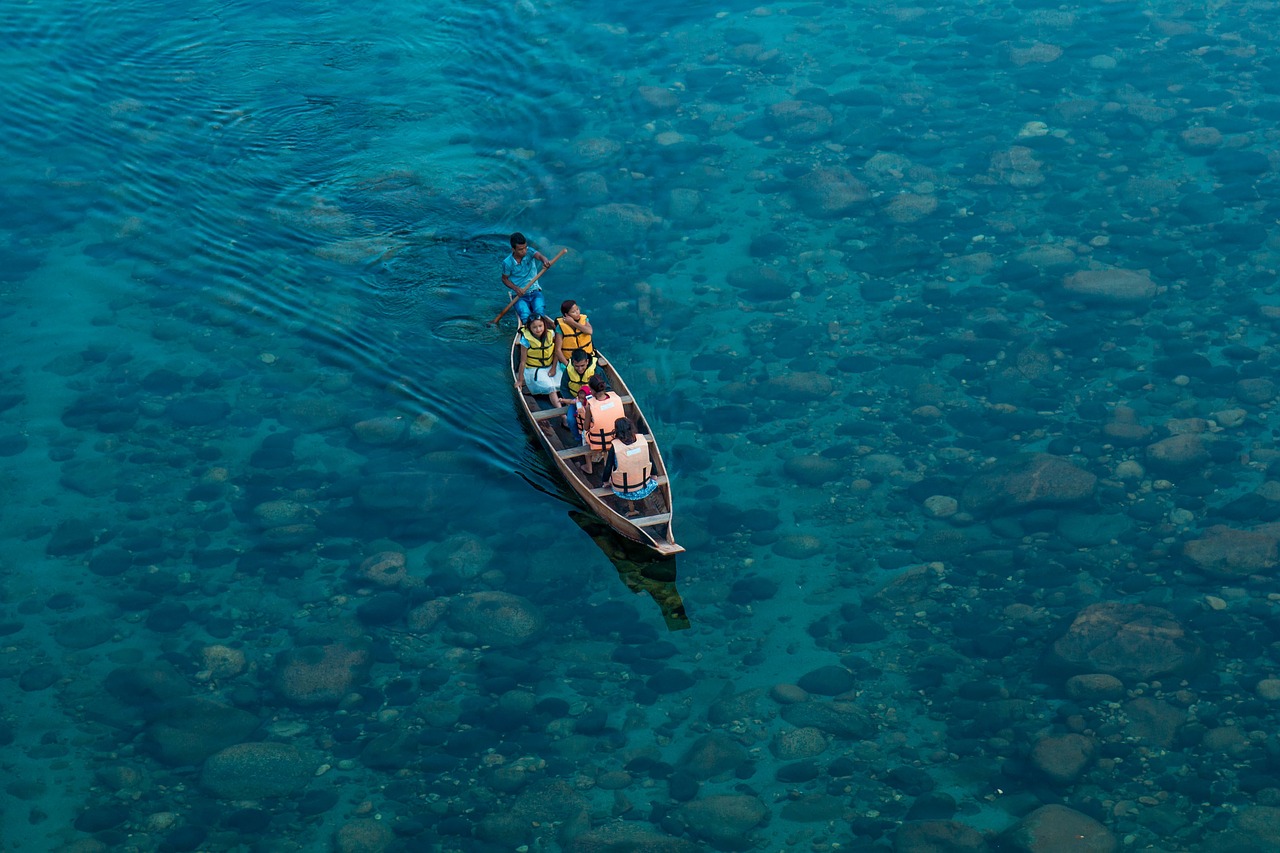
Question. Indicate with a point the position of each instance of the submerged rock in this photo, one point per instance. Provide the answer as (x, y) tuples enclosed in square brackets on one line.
[(80, 633), (838, 719), (1050, 829), (281, 513), (379, 431), (814, 470), (1260, 826), (462, 554), (307, 414), (735, 706), (797, 387), (90, 477), (616, 224), (1130, 641), (724, 821), (801, 121), (71, 536), (798, 743), (906, 589), (758, 282), (388, 569), (827, 681), (255, 771), (1063, 758), (496, 618), (1200, 140), (1178, 453), (908, 208), (553, 801), (363, 836), (320, 675), (830, 192), (713, 755), (629, 836), (190, 730), (938, 836), (221, 661), (408, 493), (1256, 390), (1112, 286), (1028, 481), (798, 546), (1153, 721), (1125, 429), (1094, 687), (143, 684), (1227, 552)]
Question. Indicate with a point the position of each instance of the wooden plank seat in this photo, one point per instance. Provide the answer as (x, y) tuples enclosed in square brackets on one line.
[(583, 450), (544, 414), (651, 520), (548, 414), (606, 491)]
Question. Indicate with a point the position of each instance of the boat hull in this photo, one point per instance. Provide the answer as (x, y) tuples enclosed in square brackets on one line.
[(654, 529)]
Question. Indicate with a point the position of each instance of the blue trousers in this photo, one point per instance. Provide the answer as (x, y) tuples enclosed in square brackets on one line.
[(529, 304)]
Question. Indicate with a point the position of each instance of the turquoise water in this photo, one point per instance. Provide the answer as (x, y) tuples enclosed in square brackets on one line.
[(955, 324)]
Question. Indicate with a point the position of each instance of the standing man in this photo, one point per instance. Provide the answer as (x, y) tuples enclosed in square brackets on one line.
[(518, 270)]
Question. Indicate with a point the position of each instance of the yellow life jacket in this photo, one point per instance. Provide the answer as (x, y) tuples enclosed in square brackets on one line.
[(632, 465), (604, 417), (576, 381), (541, 352), (572, 339)]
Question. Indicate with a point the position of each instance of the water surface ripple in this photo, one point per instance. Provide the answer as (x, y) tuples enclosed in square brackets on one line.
[(956, 326)]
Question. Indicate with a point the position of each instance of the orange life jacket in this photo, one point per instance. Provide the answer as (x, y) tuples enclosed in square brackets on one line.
[(604, 416), (572, 339), (632, 465)]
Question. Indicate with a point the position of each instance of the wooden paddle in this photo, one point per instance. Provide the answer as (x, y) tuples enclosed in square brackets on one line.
[(510, 304)]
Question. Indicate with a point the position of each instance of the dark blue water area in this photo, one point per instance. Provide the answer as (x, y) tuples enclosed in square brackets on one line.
[(955, 325)]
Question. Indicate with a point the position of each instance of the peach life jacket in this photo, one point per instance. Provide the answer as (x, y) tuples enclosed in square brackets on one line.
[(632, 465), (604, 415)]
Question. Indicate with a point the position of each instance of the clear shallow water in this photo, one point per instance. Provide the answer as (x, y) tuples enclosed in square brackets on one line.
[(248, 253)]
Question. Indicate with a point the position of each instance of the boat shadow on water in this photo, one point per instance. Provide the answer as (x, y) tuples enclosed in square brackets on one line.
[(638, 569)]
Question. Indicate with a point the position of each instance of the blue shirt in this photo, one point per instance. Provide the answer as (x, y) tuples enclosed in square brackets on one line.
[(521, 273)]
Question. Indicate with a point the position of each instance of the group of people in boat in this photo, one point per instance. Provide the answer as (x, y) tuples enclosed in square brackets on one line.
[(596, 416)]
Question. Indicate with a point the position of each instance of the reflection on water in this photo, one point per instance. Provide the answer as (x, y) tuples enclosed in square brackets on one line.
[(956, 324), (638, 569)]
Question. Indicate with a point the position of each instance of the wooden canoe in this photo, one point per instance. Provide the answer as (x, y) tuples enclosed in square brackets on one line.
[(653, 530)]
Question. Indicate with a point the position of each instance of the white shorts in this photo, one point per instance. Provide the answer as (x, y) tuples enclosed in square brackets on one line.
[(538, 382)]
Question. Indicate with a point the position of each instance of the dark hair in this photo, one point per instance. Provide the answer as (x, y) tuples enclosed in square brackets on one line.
[(579, 355), (624, 430), (517, 239), (596, 383), (546, 325), (566, 305)]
